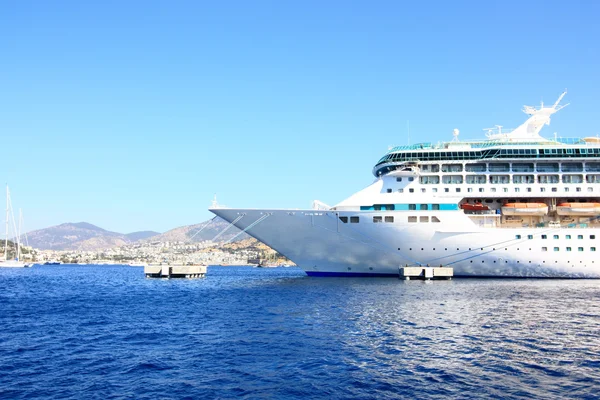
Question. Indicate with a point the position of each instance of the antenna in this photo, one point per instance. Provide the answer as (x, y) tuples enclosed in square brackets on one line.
[(455, 133)]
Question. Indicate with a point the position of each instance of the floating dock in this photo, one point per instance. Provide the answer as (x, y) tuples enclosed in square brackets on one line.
[(427, 273), (174, 271)]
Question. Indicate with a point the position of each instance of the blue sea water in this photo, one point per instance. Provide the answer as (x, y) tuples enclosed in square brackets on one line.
[(107, 332)]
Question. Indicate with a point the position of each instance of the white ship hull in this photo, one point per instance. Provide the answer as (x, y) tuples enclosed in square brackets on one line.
[(419, 210), (319, 243)]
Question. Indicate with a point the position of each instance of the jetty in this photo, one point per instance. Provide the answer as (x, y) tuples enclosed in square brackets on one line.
[(175, 271), (425, 272)]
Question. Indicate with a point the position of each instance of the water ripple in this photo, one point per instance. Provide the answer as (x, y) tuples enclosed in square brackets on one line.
[(108, 333)]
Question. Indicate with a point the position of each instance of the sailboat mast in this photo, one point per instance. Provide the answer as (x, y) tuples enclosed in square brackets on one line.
[(19, 236), (6, 240)]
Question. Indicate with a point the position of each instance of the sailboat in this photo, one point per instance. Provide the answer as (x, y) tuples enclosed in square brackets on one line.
[(16, 262)]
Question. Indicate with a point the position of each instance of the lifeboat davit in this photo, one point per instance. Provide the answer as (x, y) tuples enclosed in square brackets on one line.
[(474, 207), (533, 209), (578, 209)]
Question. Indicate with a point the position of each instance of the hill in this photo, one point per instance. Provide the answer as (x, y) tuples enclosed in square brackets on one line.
[(84, 236), (141, 235), (75, 236)]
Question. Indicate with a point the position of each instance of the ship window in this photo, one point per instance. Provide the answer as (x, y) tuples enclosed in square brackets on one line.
[(566, 189), (592, 249), (410, 179), (377, 219), (457, 190), (446, 190), (547, 167), (517, 236), (517, 189), (579, 236), (412, 219), (477, 168), (554, 189), (354, 220), (452, 179), (580, 249), (523, 179), (493, 190), (578, 189), (470, 190), (389, 219), (548, 178), (529, 236), (423, 219), (544, 237), (572, 167), (476, 179), (567, 236), (542, 189), (435, 206), (398, 179), (592, 236), (423, 190), (423, 207), (556, 249), (572, 178), (522, 167), (592, 166), (344, 219), (430, 168), (434, 190), (555, 237), (435, 219), (499, 167), (389, 190), (429, 179), (480, 190), (412, 206), (544, 249), (400, 190), (411, 190), (452, 167), (592, 178), (568, 249)]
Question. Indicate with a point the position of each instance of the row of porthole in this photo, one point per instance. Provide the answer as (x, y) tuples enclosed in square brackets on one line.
[(506, 248), (543, 262), (555, 237), (492, 190)]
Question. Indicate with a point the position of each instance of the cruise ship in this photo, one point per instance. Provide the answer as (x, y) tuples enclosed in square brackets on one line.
[(514, 204)]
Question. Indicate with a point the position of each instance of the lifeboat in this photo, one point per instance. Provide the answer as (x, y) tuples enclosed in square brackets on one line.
[(474, 207), (533, 209), (578, 209)]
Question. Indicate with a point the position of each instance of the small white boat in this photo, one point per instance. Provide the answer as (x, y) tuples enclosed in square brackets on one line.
[(532, 209), (585, 209), (138, 264)]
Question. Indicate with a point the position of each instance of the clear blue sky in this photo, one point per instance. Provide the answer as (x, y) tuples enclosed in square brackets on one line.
[(131, 114)]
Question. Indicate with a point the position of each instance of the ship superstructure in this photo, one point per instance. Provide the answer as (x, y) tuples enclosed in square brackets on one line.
[(513, 205)]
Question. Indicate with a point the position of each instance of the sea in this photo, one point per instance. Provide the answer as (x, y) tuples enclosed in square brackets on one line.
[(107, 332)]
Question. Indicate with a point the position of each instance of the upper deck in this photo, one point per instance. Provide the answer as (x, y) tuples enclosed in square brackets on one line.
[(523, 142)]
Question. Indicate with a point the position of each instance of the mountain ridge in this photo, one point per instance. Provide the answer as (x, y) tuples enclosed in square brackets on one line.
[(84, 236)]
